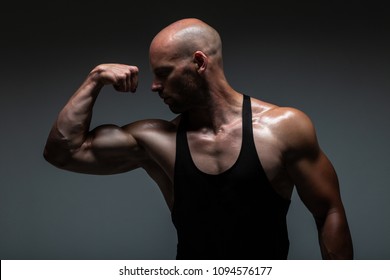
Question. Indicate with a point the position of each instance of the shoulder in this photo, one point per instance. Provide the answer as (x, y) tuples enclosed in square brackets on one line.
[(152, 130), (291, 127), (277, 116), (151, 126), (287, 121)]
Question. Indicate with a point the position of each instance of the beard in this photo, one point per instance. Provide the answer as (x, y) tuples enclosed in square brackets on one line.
[(191, 91)]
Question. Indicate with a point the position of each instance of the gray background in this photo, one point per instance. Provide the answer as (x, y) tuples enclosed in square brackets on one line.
[(329, 60)]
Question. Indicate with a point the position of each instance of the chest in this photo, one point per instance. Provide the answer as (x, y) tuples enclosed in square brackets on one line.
[(215, 153)]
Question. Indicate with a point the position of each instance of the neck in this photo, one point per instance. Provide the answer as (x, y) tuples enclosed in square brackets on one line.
[(220, 109)]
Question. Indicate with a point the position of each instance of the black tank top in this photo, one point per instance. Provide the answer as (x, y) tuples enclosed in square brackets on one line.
[(232, 215)]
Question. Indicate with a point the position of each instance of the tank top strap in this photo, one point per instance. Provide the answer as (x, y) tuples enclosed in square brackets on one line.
[(247, 129), (182, 149)]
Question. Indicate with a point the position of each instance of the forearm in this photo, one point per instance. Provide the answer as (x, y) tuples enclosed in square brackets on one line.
[(334, 236), (71, 127), (74, 120)]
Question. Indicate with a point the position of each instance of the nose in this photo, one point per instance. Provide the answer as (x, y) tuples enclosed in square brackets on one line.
[(156, 86)]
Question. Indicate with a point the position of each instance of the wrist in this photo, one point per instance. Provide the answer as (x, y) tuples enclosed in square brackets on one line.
[(93, 81)]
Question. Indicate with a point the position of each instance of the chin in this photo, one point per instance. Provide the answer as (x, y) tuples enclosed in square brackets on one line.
[(175, 110)]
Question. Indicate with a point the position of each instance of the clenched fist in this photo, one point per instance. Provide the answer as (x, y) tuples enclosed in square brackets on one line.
[(123, 77)]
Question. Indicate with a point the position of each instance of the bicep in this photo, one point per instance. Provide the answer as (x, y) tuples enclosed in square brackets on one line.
[(316, 183), (107, 149)]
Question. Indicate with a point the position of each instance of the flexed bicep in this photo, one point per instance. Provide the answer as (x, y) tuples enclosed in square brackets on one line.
[(105, 150), (108, 149)]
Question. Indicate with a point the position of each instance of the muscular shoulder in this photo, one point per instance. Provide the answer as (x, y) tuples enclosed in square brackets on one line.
[(150, 128), (150, 125), (291, 128), (154, 136)]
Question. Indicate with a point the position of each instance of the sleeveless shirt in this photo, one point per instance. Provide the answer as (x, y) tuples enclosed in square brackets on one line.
[(232, 215)]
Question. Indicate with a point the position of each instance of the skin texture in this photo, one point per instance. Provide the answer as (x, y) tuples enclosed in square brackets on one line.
[(186, 59)]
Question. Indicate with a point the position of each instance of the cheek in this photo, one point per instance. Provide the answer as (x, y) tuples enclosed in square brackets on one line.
[(191, 82), (183, 85)]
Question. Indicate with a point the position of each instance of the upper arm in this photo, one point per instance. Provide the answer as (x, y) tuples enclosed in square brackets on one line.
[(317, 184), (107, 149), (309, 168)]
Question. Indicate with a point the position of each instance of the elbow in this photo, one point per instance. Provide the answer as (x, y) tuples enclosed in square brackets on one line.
[(335, 236), (55, 157), (59, 149)]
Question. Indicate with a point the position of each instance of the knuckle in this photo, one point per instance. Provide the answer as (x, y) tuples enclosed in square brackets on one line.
[(134, 70)]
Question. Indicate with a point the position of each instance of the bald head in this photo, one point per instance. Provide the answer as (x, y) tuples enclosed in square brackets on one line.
[(186, 36)]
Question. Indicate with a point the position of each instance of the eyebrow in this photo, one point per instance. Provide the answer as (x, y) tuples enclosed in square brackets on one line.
[(162, 69)]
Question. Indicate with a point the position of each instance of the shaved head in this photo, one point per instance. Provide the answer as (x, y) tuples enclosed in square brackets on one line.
[(184, 37)]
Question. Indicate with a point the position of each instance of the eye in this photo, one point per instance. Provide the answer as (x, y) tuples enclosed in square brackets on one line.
[(163, 72)]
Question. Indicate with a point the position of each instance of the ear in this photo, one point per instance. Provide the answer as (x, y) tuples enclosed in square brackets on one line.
[(201, 60)]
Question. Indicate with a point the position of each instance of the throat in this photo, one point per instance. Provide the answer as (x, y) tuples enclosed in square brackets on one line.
[(216, 117)]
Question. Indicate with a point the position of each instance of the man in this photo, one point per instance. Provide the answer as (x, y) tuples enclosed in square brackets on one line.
[(226, 165)]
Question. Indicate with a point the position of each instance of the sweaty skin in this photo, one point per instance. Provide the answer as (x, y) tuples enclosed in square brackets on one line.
[(186, 59)]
